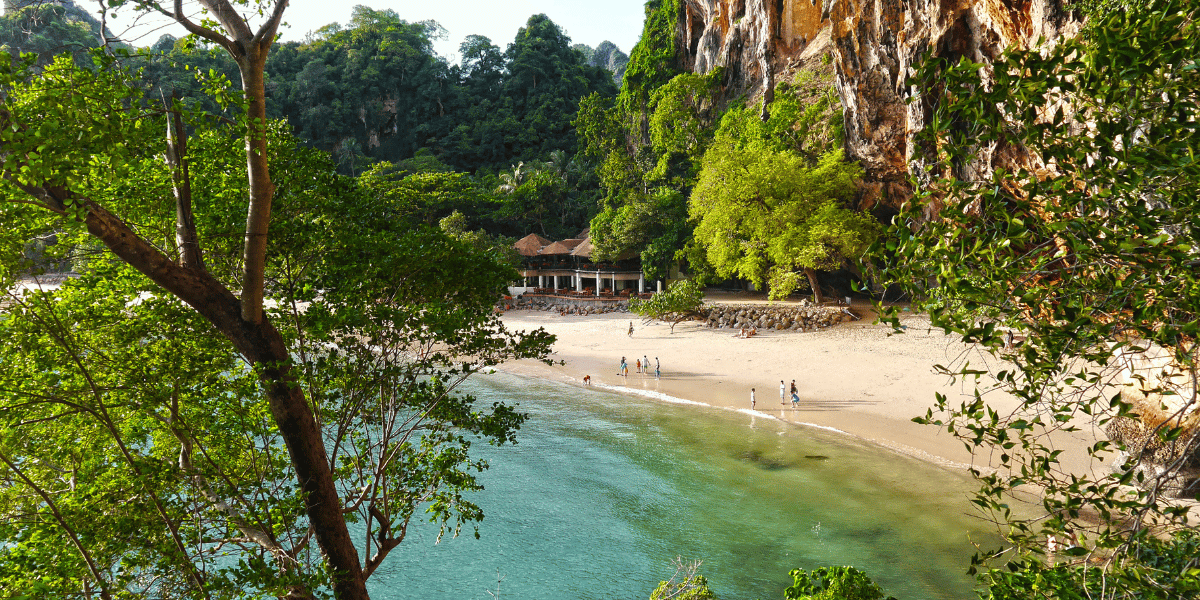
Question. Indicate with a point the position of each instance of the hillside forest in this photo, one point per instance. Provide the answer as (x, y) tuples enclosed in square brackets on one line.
[(544, 136)]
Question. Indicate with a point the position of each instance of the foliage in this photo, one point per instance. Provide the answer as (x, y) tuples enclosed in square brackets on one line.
[(377, 75), (148, 443), (768, 207), (374, 90), (546, 80), (652, 62), (1158, 569), (833, 583), (47, 31), (500, 248), (646, 208), (678, 303), (1086, 247), (681, 126), (685, 584), (424, 197)]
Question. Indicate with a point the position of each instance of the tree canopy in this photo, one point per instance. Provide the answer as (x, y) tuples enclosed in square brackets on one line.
[(225, 440), (770, 200), (1086, 248), (679, 302)]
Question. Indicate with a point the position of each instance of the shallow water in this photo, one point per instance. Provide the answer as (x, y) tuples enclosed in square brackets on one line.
[(604, 490)]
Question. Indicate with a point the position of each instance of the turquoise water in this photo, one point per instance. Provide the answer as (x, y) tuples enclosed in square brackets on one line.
[(604, 490)]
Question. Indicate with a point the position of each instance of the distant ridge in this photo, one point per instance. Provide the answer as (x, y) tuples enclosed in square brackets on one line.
[(72, 10)]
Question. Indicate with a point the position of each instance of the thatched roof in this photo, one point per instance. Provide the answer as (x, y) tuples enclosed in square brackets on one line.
[(584, 249), (531, 244), (562, 247)]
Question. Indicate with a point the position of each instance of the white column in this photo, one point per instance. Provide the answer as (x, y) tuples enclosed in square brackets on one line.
[(641, 283), (614, 287), (659, 285), (555, 278), (599, 282), (578, 282)]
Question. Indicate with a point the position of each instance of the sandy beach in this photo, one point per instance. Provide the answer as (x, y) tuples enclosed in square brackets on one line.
[(857, 378)]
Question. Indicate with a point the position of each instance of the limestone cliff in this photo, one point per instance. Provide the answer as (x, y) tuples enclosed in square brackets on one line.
[(754, 40), (875, 46), (878, 44)]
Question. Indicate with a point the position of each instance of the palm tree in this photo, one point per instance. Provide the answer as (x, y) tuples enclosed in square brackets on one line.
[(513, 180)]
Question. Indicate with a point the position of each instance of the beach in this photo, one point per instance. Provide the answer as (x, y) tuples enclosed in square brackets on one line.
[(858, 378)]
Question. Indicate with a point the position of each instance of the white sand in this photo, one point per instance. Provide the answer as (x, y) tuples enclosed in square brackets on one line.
[(855, 377)]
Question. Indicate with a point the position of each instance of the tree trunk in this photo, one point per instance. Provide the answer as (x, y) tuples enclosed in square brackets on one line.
[(816, 285), (258, 215), (262, 345)]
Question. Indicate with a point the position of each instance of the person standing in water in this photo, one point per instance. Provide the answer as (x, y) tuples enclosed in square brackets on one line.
[(752, 399), (657, 369), (782, 393)]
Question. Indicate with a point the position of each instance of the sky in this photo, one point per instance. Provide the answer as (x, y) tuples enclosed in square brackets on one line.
[(588, 22)]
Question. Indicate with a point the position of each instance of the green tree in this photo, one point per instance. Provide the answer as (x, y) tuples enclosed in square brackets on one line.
[(833, 583), (645, 209), (546, 80), (375, 85), (767, 213), (499, 247), (1086, 247), (424, 196), (679, 302), (1156, 569), (186, 395)]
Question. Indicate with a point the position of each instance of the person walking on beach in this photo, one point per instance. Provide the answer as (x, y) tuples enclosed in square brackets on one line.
[(631, 329), (624, 370), (793, 390), (657, 370), (646, 363), (795, 400), (782, 393), (752, 399), (639, 365)]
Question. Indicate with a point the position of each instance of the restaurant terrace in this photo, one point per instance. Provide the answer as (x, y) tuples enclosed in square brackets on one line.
[(566, 268)]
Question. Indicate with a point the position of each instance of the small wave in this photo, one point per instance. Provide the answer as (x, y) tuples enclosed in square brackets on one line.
[(649, 394), (661, 397)]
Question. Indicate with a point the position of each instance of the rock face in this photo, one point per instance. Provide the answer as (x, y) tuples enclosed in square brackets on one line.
[(879, 43), (875, 46), (754, 40)]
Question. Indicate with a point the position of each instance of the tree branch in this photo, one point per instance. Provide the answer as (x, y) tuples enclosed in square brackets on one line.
[(190, 255), (266, 34), (62, 522)]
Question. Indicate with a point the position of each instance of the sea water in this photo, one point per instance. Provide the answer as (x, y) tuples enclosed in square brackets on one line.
[(603, 491)]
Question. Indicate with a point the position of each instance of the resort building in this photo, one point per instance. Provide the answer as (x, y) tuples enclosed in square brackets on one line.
[(566, 267)]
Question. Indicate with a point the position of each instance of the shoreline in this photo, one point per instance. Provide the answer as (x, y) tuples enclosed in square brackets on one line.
[(854, 379)]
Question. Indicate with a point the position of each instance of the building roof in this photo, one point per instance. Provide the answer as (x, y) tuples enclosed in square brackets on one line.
[(561, 247), (584, 249), (531, 244)]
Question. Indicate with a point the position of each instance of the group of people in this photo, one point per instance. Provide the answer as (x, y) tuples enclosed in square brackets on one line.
[(643, 367), (783, 395)]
